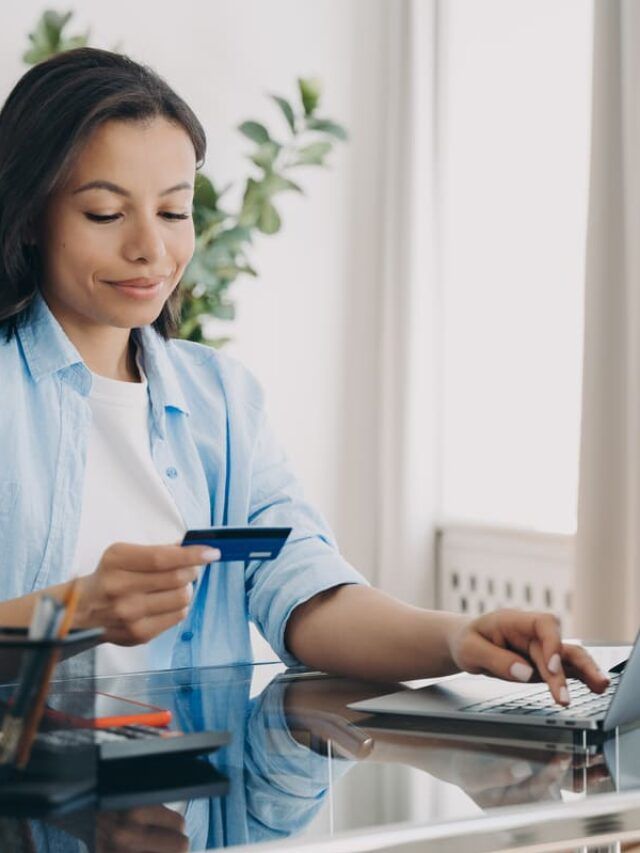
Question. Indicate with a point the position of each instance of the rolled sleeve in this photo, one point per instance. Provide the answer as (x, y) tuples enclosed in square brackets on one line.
[(310, 561)]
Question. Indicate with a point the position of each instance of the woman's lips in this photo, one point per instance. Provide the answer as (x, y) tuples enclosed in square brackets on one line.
[(139, 282), (138, 288)]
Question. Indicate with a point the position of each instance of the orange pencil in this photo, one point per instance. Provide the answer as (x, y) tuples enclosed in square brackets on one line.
[(33, 720)]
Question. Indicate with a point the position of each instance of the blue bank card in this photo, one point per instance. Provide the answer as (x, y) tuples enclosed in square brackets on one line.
[(241, 543)]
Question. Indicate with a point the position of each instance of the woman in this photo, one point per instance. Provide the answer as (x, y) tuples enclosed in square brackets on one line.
[(113, 437)]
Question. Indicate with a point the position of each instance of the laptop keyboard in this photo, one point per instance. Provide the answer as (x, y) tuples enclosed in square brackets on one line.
[(541, 703)]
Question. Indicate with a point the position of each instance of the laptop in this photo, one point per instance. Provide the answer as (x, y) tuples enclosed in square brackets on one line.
[(477, 698), (471, 734)]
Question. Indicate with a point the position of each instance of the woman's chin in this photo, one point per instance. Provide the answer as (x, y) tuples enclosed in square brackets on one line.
[(135, 316)]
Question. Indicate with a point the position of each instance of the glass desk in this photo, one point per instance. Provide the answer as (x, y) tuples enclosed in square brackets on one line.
[(304, 772)]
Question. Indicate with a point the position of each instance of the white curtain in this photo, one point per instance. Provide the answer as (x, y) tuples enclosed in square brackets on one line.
[(408, 500), (607, 582), (405, 421)]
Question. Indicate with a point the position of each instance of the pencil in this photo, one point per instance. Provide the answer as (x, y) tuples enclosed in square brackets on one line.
[(33, 719), (71, 603)]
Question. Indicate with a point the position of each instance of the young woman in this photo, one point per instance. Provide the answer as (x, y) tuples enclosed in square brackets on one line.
[(114, 437)]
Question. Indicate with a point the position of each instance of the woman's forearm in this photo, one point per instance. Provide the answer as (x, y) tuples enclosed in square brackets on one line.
[(17, 612), (360, 631)]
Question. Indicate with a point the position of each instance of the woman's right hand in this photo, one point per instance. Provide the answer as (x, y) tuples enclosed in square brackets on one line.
[(138, 591)]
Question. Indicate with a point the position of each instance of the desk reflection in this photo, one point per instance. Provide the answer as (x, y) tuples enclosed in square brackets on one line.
[(293, 743)]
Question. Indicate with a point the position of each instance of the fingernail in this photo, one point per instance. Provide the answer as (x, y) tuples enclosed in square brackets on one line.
[(554, 664), (521, 671), (210, 554), (564, 696), (521, 770)]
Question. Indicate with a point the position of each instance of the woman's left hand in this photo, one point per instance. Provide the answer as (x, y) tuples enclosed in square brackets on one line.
[(524, 646)]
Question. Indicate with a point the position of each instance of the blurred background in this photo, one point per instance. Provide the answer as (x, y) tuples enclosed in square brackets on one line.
[(418, 322)]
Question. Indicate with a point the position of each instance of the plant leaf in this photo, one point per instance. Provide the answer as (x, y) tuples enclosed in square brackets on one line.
[(234, 238), (216, 343), (204, 217), (204, 193), (248, 270), (35, 54), (255, 131), (266, 155), (225, 311), (313, 154), (228, 273), (44, 41), (269, 221), (275, 183), (75, 41), (287, 111), (309, 93), (250, 210), (198, 272), (327, 126), (53, 23)]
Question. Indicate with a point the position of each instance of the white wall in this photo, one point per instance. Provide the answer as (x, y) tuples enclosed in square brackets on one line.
[(307, 327)]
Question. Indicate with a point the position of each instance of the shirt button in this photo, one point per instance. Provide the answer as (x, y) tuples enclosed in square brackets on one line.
[(171, 473), (186, 636)]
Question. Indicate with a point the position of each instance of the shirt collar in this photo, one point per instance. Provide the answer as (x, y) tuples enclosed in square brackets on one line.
[(48, 350), (161, 374), (46, 347)]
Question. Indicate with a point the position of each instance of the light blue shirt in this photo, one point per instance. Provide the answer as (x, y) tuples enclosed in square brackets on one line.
[(212, 445)]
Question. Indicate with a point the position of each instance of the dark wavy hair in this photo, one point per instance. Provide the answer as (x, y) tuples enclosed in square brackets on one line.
[(45, 121)]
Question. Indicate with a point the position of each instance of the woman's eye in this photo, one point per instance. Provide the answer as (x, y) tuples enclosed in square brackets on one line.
[(95, 217)]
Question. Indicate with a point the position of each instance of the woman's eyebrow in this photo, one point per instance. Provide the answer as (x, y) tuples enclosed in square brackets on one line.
[(114, 188)]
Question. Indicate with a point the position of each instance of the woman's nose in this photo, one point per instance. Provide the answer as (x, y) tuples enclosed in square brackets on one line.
[(145, 242)]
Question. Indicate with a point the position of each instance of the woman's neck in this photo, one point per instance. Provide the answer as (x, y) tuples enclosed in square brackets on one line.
[(106, 350), (102, 358), (101, 361)]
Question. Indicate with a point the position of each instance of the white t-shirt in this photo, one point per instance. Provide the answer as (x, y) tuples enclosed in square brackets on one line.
[(124, 500)]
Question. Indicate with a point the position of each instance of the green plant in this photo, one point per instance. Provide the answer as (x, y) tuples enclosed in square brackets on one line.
[(47, 39), (224, 235)]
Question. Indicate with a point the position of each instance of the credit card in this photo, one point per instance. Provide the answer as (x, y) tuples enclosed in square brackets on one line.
[(241, 543)]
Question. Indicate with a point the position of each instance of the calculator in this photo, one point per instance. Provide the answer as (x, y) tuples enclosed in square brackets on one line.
[(124, 743)]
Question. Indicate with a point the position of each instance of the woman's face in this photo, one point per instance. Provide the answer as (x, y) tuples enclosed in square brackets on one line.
[(137, 230)]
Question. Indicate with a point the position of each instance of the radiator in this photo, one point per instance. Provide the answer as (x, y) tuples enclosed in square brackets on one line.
[(484, 568)]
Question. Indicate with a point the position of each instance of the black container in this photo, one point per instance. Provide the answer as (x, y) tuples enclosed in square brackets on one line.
[(61, 767)]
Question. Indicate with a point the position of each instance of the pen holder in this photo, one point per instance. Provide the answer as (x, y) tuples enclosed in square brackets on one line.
[(62, 761)]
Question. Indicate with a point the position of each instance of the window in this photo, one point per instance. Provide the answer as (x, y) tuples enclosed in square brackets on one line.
[(513, 148)]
